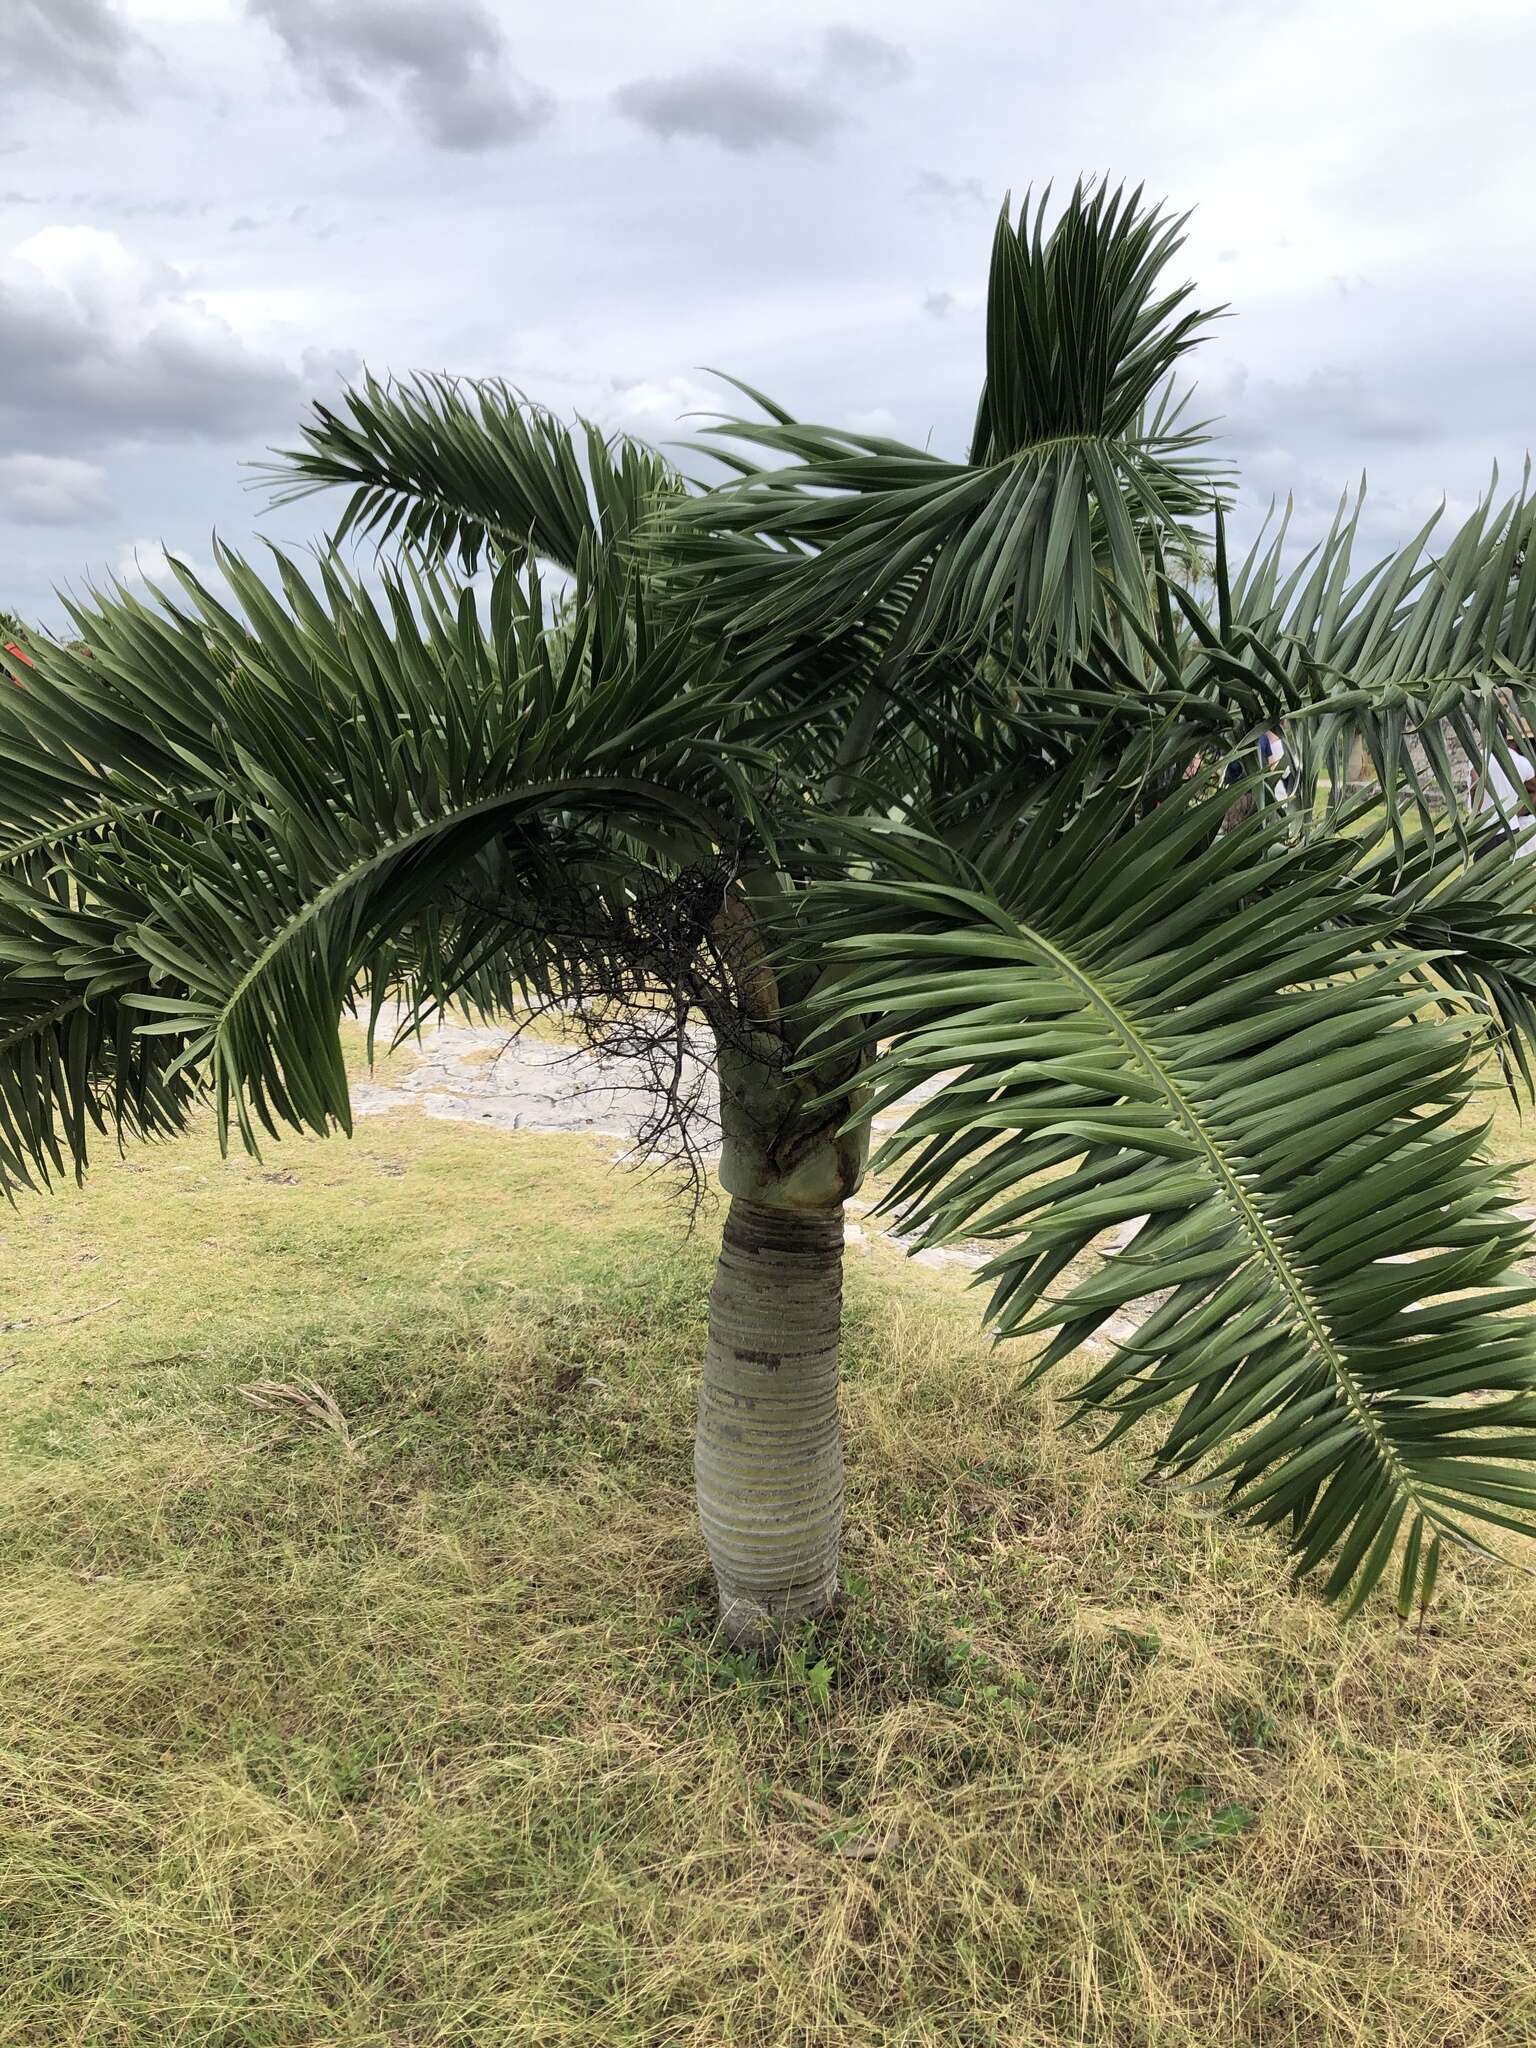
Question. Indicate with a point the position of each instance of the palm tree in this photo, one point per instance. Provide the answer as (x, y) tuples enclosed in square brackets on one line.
[(881, 770)]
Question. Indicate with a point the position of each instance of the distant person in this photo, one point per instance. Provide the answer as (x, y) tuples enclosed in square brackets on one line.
[(1514, 801), (1272, 755), (1270, 749)]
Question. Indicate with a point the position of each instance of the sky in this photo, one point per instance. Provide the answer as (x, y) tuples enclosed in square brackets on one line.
[(213, 212)]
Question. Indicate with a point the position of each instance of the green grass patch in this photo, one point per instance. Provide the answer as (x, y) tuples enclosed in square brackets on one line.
[(409, 1727)]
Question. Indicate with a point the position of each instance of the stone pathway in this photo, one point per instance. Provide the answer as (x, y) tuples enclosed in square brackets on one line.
[(473, 1073)]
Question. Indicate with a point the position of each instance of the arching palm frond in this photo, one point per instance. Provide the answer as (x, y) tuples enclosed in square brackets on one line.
[(1404, 654), (92, 741), (1146, 1017), (1075, 458), (1467, 902), (73, 1065), (467, 468), (370, 778)]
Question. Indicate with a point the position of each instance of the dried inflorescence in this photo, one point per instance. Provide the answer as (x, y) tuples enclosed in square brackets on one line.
[(649, 978)]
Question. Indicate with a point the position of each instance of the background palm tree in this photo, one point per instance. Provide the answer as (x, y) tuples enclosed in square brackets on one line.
[(876, 767)]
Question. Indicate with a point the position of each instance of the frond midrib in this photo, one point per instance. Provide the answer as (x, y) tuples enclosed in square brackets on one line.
[(339, 885), (56, 1015), (1250, 1217), (78, 828)]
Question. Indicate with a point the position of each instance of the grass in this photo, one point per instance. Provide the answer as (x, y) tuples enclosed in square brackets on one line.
[(414, 1731)]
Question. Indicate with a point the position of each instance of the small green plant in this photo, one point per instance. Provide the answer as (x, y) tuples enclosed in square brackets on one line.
[(1249, 1726), (816, 1679), (1141, 1645), (802, 1669), (1192, 1820), (734, 1667)]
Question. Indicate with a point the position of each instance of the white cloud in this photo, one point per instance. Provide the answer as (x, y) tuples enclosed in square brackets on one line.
[(149, 562), (656, 409), (101, 343), (51, 490)]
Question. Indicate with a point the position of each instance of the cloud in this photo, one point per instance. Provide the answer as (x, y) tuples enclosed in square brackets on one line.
[(741, 109), (938, 305), (733, 106), (955, 193), (654, 408), (1333, 401), (149, 561), (51, 490), (855, 53), (447, 60), (118, 205), (77, 47), (97, 344)]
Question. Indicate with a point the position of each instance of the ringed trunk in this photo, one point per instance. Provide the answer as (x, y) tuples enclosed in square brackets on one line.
[(769, 1451)]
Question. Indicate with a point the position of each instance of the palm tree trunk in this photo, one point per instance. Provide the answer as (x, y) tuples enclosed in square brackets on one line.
[(769, 1451)]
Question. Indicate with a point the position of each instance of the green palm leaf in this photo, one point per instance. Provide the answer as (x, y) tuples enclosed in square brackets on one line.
[(1428, 646), (73, 1066), (1467, 900), (468, 467), (92, 741), (373, 780), (1078, 455), (1145, 1017)]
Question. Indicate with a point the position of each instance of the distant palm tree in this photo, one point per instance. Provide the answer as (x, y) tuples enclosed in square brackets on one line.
[(883, 770)]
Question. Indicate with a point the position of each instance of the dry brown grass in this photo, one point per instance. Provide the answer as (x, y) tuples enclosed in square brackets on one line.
[(427, 1741)]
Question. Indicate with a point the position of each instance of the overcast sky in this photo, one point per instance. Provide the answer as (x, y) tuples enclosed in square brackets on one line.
[(211, 210)]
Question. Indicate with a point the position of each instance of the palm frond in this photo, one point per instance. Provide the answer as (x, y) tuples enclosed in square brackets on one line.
[(369, 756), (1406, 655), (1079, 453), (73, 1067), (467, 468), (1466, 901), (92, 741), (1146, 1016)]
